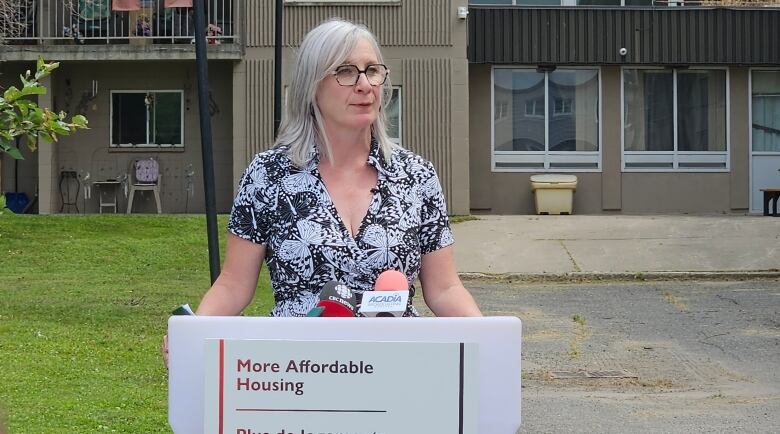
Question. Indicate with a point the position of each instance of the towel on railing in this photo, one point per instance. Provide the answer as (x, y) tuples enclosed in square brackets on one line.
[(94, 9), (178, 3), (126, 5)]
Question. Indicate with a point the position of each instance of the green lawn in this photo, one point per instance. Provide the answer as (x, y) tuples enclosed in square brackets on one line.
[(84, 302)]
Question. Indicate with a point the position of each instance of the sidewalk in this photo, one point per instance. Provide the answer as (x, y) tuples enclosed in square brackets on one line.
[(618, 245)]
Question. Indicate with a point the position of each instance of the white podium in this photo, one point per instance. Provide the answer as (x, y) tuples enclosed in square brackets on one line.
[(470, 366)]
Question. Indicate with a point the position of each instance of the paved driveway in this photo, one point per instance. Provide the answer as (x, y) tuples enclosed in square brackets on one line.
[(684, 357)]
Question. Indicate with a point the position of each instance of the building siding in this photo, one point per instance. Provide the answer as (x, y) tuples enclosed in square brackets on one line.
[(409, 23), (652, 36), (259, 127)]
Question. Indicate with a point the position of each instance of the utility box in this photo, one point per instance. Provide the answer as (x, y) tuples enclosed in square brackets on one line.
[(553, 193)]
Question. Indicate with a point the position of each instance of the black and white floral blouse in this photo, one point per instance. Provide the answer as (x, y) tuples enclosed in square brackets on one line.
[(307, 244)]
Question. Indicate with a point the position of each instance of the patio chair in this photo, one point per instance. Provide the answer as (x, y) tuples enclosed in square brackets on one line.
[(145, 176)]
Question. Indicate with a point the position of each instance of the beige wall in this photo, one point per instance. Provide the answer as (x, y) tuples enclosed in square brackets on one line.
[(424, 44), (611, 190), (89, 150)]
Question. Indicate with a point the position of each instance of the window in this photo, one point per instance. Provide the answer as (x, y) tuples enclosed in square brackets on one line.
[(348, 2), (534, 107), (550, 120), (570, 2), (675, 119), (394, 116), (562, 106), (766, 111), (147, 119)]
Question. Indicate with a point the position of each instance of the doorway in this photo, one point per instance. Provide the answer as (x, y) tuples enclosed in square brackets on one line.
[(764, 134)]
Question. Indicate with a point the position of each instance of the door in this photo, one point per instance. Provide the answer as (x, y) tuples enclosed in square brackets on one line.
[(765, 135)]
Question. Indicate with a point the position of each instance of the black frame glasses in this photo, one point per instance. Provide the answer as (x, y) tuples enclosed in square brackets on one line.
[(343, 73)]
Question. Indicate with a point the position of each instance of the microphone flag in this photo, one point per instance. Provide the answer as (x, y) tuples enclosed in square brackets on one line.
[(336, 300), (389, 298)]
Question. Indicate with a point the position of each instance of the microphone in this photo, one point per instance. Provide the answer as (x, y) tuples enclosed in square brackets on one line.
[(389, 298), (336, 300)]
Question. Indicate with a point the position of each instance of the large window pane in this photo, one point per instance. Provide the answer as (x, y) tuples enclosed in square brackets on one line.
[(538, 2), (648, 113), (598, 2), (490, 2), (573, 111), (766, 111), (166, 117), (518, 110), (701, 111), (129, 118)]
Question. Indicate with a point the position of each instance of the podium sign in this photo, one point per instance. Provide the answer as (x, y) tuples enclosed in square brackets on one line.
[(497, 354), (292, 387)]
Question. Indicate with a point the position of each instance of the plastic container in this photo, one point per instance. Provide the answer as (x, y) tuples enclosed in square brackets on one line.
[(16, 202), (553, 193)]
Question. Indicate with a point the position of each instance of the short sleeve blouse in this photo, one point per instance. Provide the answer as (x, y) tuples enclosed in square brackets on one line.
[(307, 245)]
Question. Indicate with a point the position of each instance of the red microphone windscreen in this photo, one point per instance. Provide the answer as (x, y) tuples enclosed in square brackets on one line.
[(391, 280), (337, 300), (334, 309)]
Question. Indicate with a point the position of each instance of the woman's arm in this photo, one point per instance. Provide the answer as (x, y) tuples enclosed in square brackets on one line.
[(235, 287), (443, 291)]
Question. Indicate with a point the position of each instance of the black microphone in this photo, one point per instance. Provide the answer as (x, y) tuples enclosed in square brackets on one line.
[(336, 300)]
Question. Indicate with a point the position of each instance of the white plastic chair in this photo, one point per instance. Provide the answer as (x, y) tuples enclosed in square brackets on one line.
[(145, 176)]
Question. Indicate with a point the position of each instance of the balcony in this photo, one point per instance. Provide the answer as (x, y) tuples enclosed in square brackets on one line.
[(115, 30)]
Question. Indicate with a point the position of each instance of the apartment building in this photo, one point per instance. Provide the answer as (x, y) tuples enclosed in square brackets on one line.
[(655, 107)]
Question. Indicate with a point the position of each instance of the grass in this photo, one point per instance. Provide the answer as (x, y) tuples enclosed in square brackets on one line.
[(84, 302), (455, 219), (580, 334)]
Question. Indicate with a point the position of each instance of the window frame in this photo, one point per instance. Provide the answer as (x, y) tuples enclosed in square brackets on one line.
[(555, 157), (752, 154), (675, 157), (750, 111), (398, 140), (128, 146)]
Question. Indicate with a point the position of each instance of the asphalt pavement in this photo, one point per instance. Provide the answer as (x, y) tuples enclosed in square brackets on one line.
[(645, 357), (635, 324)]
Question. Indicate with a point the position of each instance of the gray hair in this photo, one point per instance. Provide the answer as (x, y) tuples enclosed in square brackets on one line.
[(323, 49)]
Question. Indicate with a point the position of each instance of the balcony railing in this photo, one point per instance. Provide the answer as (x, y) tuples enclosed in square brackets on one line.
[(140, 22)]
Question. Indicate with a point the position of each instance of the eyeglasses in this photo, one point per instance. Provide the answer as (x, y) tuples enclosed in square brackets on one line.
[(348, 75)]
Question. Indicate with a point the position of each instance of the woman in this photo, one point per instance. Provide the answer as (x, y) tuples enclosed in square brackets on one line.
[(335, 199)]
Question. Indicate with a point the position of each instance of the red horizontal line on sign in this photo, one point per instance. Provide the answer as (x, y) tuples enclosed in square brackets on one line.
[(310, 410)]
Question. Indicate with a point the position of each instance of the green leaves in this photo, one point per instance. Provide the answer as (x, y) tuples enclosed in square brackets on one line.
[(22, 117)]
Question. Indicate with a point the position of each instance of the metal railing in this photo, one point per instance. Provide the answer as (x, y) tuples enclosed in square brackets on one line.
[(717, 3), (137, 22)]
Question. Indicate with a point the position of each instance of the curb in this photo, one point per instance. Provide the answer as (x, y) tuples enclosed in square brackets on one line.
[(624, 276)]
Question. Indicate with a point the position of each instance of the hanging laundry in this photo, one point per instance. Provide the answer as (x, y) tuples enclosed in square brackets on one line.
[(178, 3), (126, 5), (94, 9)]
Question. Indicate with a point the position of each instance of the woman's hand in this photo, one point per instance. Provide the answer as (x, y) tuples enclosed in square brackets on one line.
[(165, 350)]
